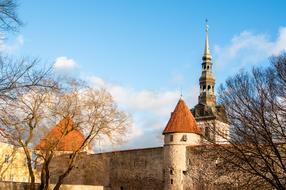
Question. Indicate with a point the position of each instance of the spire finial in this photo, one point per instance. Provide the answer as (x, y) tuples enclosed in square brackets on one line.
[(207, 26), (207, 51), (181, 95)]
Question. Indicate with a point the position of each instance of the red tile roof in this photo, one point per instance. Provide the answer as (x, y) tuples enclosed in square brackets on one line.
[(64, 136), (182, 120)]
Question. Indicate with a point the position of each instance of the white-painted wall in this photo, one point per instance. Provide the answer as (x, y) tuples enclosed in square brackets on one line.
[(222, 130)]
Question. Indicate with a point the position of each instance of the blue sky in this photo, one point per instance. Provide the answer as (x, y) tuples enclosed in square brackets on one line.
[(145, 51)]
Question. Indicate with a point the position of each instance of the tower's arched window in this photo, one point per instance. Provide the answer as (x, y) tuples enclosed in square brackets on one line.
[(204, 88), (209, 88), (208, 67)]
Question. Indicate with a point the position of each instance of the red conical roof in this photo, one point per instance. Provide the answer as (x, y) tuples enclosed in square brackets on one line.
[(64, 136), (182, 120)]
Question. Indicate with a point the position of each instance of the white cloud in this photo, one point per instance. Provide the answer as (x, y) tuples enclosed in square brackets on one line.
[(155, 102), (150, 110), (280, 44), (10, 47), (64, 64), (249, 48)]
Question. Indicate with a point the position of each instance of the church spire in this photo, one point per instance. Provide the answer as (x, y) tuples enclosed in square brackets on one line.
[(207, 53), (207, 80)]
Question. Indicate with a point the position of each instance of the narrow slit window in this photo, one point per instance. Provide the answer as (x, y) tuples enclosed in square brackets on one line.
[(171, 138), (7, 158)]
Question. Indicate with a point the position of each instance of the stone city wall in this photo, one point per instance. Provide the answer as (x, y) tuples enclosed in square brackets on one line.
[(122, 170)]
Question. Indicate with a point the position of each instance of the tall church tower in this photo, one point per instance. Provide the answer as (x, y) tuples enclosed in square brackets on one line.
[(207, 80), (210, 116)]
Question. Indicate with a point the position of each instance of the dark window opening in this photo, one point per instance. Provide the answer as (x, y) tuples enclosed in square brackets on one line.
[(121, 188), (171, 138), (184, 138), (208, 67), (185, 172), (171, 172), (172, 181), (209, 87), (7, 158), (204, 88)]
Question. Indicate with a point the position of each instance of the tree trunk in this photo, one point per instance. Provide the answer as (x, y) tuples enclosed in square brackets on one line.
[(61, 178), (47, 171), (30, 168), (42, 185)]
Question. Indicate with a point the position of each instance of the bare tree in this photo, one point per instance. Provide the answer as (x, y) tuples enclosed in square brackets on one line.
[(93, 113), (7, 158), (17, 75), (9, 20), (21, 117), (255, 104), (89, 113), (216, 167)]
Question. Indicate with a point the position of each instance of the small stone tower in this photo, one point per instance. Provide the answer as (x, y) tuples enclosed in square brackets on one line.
[(180, 132)]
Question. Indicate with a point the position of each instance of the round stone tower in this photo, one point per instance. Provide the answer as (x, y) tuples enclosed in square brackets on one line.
[(180, 132)]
